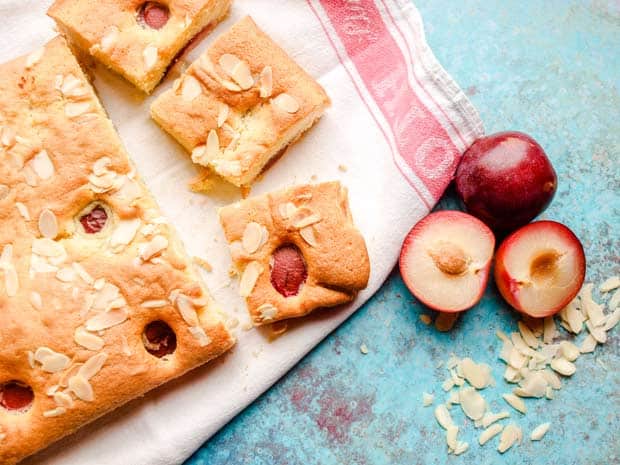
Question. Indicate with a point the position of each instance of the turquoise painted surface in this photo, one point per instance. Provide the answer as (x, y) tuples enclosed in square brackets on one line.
[(550, 68)]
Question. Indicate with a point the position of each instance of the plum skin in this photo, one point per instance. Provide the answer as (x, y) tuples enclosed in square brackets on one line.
[(506, 180)]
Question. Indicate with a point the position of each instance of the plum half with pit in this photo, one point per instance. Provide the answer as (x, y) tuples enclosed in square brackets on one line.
[(506, 180)]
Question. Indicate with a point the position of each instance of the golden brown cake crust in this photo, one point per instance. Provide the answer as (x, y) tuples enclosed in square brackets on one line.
[(227, 96), (112, 32), (314, 218), (67, 297)]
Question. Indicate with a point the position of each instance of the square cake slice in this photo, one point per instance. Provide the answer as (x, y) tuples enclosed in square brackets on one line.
[(99, 302), (137, 39), (296, 250), (240, 104)]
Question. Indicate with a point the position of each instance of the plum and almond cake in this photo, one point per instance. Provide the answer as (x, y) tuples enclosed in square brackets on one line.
[(296, 250), (137, 39), (240, 104), (98, 300)]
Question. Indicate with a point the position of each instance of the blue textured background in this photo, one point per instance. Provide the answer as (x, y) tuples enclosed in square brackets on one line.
[(550, 68)]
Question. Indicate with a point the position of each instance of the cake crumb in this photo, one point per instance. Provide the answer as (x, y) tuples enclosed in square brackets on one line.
[(426, 319), (342, 168), (363, 349)]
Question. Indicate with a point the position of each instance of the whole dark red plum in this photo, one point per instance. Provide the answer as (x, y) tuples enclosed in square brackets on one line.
[(506, 180)]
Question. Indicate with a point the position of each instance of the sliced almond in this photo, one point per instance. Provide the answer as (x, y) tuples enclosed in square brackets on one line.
[(227, 167), (593, 310), (610, 284), (92, 366), (490, 418), (461, 448), (539, 432), (572, 316), (228, 62), (515, 402), (23, 210), (156, 303), (451, 434), (308, 235), (88, 340), (528, 336), (66, 275), (550, 330), (48, 226), (249, 277), (11, 281), (54, 363), (82, 273), (552, 379), (490, 433), (286, 103), (267, 311), (510, 436), (190, 88), (222, 116), (42, 165), (304, 218), (7, 136), (36, 300), (252, 238), (108, 41), (63, 399), (614, 302), (56, 412), (75, 109), (563, 366), (427, 399), (200, 335), (597, 332), (81, 388), (472, 403), (4, 191), (612, 320), (478, 375), (199, 154), (150, 55), (107, 320), (187, 310), (213, 150), (266, 82), (442, 415), (154, 247), (569, 351), (533, 385), (242, 75), (124, 233)]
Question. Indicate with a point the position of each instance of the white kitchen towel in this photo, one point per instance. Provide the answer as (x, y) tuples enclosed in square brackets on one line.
[(393, 136)]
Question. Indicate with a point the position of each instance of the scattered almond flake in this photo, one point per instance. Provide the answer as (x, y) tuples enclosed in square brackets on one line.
[(92, 366), (155, 246), (478, 375), (569, 350), (445, 321), (572, 316), (36, 301), (88, 340), (304, 219), (443, 416), (456, 378), (242, 75), (4, 191), (612, 320), (187, 310), (63, 399), (614, 302), (453, 399), (82, 273), (213, 145), (190, 88), (155, 303), (222, 116), (552, 379), (249, 277), (528, 336), (51, 362), (227, 167), (451, 434), (447, 384), (42, 165), (126, 349), (593, 310), (230, 85), (597, 332), (11, 281), (267, 311), (55, 412), (75, 109), (52, 390), (47, 248), (515, 402), (200, 335), (23, 210), (48, 226), (286, 103), (228, 62), (81, 388), (253, 237), (100, 167), (34, 57), (610, 284), (124, 233), (29, 176), (199, 153), (7, 136), (490, 418), (72, 87), (363, 349), (533, 385), (31, 360), (538, 432), (490, 433), (107, 320), (426, 319), (550, 330), (266, 82), (427, 399), (563, 366), (150, 55), (472, 403), (342, 168), (510, 435), (549, 393), (108, 41)]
